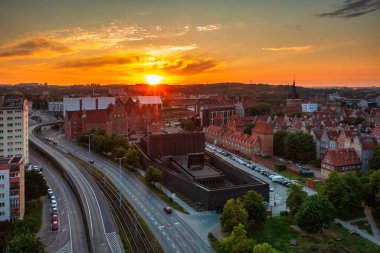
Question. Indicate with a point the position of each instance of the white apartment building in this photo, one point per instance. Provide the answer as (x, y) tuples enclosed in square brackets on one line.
[(86, 103), (55, 107), (14, 132), (310, 107)]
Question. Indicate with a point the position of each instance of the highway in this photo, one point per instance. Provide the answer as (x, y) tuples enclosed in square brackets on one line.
[(103, 235), (71, 236), (174, 234)]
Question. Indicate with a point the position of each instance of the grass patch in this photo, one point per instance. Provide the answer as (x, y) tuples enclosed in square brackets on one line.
[(33, 215), (363, 225), (278, 232), (291, 176), (215, 243)]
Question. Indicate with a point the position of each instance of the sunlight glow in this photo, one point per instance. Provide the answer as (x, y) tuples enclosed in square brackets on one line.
[(153, 79)]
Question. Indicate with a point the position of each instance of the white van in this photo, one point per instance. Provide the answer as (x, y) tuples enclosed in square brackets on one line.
[(277, 179)]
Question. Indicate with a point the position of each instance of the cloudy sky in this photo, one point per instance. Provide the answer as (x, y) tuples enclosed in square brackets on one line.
[(321, 42)]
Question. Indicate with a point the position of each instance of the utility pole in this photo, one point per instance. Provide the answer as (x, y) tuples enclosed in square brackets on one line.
[(120, 159)]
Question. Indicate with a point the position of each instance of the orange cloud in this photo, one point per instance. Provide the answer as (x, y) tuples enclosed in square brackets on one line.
[(297, 48)]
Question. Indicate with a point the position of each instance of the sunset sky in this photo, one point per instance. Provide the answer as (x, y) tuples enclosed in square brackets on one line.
[(321, 42)]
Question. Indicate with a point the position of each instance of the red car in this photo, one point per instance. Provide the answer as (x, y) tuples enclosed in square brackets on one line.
[(54, 226)]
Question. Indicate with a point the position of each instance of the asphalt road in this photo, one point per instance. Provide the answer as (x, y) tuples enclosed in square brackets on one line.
[(102, 229), (174, 234), (71, 236)]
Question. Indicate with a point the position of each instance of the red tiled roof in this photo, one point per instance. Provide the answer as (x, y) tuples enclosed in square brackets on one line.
[(341, 157), (262, 128)]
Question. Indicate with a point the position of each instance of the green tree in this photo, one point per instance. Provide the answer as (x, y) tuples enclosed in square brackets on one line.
[(299, 146), (35, 185), (254, 204), (119, 152), (187, 124), (27, 242), (153, 175), (344, 191), (371, 191), (248, 128), (233, 214), (279, 143), (264, 248), (132, 157), (238, 242), (358, 121), (296, 197), (314, 212), (374, 162)]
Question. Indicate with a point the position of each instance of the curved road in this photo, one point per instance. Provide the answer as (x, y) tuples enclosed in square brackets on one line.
[(71, 236), (174, 234), (102, 229)]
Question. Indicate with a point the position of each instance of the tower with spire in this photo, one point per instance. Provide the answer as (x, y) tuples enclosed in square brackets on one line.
[(293, 98)]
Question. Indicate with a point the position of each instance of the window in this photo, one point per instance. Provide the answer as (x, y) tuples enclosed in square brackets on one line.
[(2, 195), (2, 213), (2, 204), (2, 177), (9, 112), (2, 186)]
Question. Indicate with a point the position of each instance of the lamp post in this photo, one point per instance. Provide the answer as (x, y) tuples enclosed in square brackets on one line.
[(89, 149), (120, 159)]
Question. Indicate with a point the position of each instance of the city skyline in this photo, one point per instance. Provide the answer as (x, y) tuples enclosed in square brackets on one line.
[(322, 43)]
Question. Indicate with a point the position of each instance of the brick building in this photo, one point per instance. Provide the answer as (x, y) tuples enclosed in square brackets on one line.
[(264, 132), (216, 114), (118, 118), (340, 160)]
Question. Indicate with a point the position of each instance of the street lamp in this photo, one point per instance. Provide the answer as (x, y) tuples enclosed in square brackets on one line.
[(89, 149), (120, 159)]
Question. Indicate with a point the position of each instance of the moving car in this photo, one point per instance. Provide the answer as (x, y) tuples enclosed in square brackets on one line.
[(168, 209)]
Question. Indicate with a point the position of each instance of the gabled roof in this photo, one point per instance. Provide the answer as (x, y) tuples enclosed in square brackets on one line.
[(341, 157), (262, 127)]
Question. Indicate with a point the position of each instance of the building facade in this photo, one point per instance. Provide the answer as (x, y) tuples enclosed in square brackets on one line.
[(309, 107), (341, 161), (216, 114), (86, 103), (119, 118), (14, 131), (12, 195)]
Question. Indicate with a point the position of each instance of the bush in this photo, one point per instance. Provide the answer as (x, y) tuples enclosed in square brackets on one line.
[(284, 213)]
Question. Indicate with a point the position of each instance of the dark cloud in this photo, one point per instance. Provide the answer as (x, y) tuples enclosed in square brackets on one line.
[(353, 8), (30, 47), (183, 68), (96, 62)]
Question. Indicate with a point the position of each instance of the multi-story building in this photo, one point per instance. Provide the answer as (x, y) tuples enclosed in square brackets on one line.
[(364, 147), (86, 103), (216, 114), (119, 118), (14, 128), (12, 199), (309, 107), (340, 160), (55, 107)]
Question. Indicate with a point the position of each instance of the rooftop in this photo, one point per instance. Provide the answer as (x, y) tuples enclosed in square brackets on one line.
[(200, 172)]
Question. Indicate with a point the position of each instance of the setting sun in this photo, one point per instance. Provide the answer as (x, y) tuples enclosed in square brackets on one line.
[(153, 79)]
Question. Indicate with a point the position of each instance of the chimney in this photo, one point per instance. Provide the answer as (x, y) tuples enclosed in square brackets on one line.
[(80, 104), (96, 104)]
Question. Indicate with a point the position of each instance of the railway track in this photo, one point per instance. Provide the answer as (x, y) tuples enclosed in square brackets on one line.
[(134, 234)]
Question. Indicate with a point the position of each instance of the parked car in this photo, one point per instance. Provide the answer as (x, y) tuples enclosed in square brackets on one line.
[(54, 210), (54, 226), (168, 209), (54, 217)]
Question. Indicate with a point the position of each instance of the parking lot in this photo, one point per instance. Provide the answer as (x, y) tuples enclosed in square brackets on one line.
[(278, 184)]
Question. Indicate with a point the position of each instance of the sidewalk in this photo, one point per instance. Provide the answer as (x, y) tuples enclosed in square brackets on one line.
[(371, 221), (359, 231)]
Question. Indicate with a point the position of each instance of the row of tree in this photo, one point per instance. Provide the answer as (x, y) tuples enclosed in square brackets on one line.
[(112, 146), (296, 146)]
